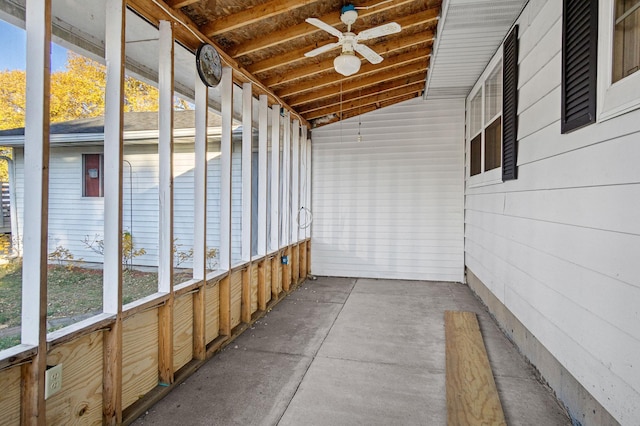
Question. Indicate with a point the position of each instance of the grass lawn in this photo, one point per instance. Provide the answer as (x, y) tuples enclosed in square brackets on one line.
[(70, 293)]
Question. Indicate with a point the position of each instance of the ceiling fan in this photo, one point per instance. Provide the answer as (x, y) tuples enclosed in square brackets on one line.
[(347, 63)]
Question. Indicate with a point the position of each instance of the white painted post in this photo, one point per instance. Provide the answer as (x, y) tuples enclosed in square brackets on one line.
[(36, 174), (286, 178), (165, 154), (113, 145), (309, 186), (263, 127), (226, 94), (295, 179), (247, 122), (303, 181), (274, 238), (200, 181)]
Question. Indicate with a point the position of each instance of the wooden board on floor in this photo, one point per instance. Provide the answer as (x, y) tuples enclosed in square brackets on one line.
[(472, 396), (139, 355), (10, 401)]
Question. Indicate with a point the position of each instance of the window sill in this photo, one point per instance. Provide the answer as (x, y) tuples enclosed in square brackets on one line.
[(492, 177)]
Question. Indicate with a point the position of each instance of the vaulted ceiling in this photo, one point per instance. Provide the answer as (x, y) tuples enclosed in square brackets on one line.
[(265, 41)]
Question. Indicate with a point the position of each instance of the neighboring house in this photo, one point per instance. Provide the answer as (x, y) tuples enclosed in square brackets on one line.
[(76, 207), (551, 239)]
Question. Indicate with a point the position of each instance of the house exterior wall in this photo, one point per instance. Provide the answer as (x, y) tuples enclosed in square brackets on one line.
[(559, 246), (73, 217), (390, 206)]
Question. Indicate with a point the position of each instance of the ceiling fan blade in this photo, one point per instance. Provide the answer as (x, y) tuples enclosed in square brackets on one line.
[(322, 49), (368, 53), (324, 26), (382, 30)]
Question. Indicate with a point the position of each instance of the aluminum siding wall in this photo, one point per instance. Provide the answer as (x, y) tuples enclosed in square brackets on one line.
[(390, 206)]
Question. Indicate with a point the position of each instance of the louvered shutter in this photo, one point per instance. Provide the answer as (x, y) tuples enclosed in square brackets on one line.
[(510, 105), (579, 63)]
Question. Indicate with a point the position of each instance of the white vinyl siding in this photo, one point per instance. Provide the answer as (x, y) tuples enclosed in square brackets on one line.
[(390, 206), (72, 216), (559, 246)]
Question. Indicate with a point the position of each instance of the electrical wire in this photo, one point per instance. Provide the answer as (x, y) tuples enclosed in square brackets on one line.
[(308, 218)]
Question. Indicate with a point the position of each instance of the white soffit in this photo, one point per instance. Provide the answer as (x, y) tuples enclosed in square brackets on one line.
[(469, 33)]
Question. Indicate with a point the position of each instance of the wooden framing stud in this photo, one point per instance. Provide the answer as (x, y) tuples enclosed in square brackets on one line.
[(165, 342), (274, 278), (286, 271)]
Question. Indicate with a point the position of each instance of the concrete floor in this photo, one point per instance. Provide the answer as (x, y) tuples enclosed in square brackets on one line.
[(342, 351)]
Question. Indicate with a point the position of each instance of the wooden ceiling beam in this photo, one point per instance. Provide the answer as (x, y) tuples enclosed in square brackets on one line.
[(296, 55), (345, 115), (335, 98), (377, 75), (366, 101), (409, 71), (383, 49), (187, 33), (177, 4), (251, 16), (304, 29)]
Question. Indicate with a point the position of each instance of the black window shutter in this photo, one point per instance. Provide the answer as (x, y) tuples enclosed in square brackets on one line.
[(579, 63), (510, 105)]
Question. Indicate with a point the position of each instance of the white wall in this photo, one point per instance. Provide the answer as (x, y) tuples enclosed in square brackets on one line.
[(560, 245), (390, 206)]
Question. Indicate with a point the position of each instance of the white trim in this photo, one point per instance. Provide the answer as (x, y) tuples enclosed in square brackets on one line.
[(113, 143), (36, 177), (274, 217), (165, 157), (247, 136), (200, 181), (286, 169), (295, 178), (226, 95), (263, 128), (617, 98)]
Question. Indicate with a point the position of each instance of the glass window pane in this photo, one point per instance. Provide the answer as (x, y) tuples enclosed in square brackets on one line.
[(493, 145), (475, 119), (626, 42), (476, 155), (493, 94)]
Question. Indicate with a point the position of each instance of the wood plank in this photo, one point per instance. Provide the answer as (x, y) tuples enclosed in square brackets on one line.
[(139, 356), (303, 29), (262, 285), (472, 396), (212, 297), (286, 271), (254, 288), (112, 373), (10, 383), (165, 341), (235, 285), (246, 295), (295, 264), (80, 399), (303, 260), (251, 16), (225, 306), (267, 280), (182, 331), (275, 274), (199, 324), (177, 4)]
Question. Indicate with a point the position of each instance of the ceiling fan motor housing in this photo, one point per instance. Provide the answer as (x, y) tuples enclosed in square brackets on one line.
[(348, 14)]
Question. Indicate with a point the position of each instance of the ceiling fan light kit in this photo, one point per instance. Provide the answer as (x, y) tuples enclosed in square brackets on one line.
[(347, 63)]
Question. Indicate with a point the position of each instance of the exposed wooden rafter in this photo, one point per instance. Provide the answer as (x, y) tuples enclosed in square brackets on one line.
[(266, 41)]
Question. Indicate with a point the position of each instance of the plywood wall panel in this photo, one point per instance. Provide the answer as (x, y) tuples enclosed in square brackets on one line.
[(139, 356), (80, 399), (182, 331), (236, 298), (254, 287), (212, 312), (10, 400)]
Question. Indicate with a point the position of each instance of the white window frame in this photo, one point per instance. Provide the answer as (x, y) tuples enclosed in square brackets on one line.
[(492, 176), (622, 96)]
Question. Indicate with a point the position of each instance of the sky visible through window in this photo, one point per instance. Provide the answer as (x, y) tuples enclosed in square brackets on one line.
[(13, 49)]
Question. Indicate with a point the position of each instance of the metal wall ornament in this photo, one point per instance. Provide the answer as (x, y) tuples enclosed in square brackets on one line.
[(209, 65)]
